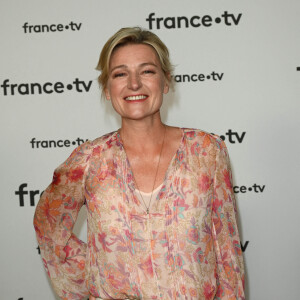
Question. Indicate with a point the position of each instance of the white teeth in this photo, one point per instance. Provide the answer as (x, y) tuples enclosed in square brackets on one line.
[(139, 97)]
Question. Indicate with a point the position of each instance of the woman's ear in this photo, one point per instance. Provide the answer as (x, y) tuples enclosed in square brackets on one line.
[(167, 83), (107, 95)]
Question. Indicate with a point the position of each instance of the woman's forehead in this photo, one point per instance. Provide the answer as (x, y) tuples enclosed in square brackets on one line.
[(134, 54)]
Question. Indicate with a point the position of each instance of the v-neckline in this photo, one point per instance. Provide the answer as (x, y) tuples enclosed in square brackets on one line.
[(132, 185)]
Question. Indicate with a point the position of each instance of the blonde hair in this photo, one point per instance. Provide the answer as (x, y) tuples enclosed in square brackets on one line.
[(133, 35)]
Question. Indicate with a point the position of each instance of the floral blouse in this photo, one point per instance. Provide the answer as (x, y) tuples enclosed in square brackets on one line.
[(187, 247)]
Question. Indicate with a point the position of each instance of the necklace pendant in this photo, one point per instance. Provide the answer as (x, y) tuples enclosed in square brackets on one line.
[(147, 211)]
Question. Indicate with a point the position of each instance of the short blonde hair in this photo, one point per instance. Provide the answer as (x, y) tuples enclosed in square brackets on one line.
[(133, 35)]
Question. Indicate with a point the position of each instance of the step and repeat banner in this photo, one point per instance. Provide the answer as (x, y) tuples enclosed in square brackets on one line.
[(237, 74)]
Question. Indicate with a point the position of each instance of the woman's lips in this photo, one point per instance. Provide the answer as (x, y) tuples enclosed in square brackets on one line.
[(136, 98)]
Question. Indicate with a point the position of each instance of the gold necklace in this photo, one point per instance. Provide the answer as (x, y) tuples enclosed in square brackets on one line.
[(162, 146)]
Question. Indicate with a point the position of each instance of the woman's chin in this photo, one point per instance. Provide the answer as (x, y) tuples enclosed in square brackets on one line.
[(140, 115)]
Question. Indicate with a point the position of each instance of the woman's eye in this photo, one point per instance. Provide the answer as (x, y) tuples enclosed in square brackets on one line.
[(148, 72), (121, 74)]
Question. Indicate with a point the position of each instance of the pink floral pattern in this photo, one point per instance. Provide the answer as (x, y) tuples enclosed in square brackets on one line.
[(188, 247)]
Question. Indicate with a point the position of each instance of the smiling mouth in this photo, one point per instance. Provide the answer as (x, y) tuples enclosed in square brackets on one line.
[(136, 98)]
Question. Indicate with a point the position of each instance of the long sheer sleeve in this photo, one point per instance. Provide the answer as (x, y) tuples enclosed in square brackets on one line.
[(230, 267), (62, 252)]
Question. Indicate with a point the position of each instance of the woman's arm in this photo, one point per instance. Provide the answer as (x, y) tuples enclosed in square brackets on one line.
[(230, 267), (62, 252)]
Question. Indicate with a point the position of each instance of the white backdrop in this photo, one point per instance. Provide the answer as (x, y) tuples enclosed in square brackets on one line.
[(249, 49)]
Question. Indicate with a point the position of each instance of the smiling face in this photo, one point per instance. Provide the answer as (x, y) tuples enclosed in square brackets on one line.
[(136, 82)]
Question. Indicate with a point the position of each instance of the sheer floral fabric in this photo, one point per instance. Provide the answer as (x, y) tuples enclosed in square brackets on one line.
[(188, 247)]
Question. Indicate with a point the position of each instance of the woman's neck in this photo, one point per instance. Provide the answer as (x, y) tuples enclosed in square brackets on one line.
[(143, 134)]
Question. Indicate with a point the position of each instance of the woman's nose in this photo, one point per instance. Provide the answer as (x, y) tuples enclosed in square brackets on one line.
[(134, 82)]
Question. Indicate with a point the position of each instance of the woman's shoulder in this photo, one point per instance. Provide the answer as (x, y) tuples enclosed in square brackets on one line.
[(203, 145), (202, 137), (105, 139), (100, 143)]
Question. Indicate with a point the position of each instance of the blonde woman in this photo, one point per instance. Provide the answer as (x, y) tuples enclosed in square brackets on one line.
[(160, 205)]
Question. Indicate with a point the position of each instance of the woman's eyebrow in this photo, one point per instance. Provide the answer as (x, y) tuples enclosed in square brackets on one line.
[(147, 64), (126, 67), (118, 67)]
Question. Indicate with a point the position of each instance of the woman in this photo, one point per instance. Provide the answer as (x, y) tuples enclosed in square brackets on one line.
[(161, 211)]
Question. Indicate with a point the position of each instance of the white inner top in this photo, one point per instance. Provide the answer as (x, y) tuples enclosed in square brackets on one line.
[(147, 196)]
